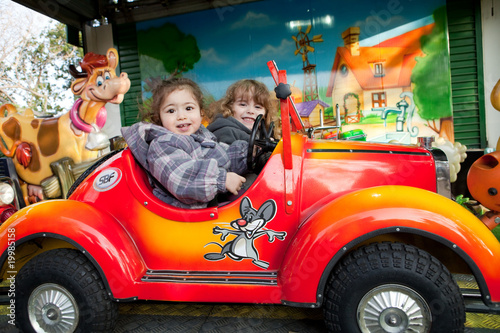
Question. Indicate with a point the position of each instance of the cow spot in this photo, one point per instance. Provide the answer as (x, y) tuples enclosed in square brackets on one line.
[(35, 123), (35, 164), (12, 129), (48, 137)]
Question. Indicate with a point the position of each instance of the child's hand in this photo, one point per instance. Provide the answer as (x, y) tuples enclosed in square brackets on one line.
[(234, 182)]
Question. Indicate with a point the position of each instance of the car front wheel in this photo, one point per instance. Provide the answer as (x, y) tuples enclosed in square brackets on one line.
[(61, 291), (392, 287)]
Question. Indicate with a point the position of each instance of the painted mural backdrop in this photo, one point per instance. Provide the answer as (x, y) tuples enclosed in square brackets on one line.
[(384, 63)]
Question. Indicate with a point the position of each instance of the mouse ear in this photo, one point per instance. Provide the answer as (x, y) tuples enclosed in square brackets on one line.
[(267, 210), (245, 205)]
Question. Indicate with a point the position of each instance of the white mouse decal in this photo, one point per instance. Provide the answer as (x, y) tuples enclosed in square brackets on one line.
[(247, 229)]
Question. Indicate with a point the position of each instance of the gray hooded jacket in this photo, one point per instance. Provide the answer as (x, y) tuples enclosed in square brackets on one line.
[(229, 129)]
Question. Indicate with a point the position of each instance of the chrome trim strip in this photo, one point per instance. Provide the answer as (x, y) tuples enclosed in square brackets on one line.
[(368, 151), (272, 274), (215, 277), (208, 280)]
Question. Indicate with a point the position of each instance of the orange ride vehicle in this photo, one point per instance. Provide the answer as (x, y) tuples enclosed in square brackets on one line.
[(365, 231)]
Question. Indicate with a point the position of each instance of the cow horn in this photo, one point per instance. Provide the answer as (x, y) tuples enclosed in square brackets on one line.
[(75, 73)]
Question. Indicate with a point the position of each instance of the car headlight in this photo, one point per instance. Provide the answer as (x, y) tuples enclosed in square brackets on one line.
[(443, 183), (6, 194)]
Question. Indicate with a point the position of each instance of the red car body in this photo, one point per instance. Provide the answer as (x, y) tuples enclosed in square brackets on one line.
[(316, 201)]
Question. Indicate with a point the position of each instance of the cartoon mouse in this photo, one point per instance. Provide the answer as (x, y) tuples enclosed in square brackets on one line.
[(247, 229)]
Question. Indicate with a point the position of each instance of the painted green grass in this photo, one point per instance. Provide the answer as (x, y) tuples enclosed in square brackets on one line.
[(375, 119), (368, 120)]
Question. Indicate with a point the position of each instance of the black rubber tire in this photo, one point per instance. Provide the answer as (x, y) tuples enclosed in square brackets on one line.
[(71, 270), (392, 264)]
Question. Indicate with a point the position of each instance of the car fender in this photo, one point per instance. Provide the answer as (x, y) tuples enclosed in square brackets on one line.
[(98, 235), (339, 226)]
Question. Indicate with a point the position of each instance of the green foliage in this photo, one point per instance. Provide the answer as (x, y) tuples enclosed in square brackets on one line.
[(461, 200), (358, 104), (322, 95), (496, 232), (431, 74), (167, 47), (475, 208), (329, 113), (471, 205)]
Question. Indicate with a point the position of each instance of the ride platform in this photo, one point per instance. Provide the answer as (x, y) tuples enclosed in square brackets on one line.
[(147, 316)]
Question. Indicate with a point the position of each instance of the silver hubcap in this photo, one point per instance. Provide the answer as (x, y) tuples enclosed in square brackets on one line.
[(52, 309), (393, 308)]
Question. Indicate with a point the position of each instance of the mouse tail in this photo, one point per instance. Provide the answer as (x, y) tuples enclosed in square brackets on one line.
[(213, 243)]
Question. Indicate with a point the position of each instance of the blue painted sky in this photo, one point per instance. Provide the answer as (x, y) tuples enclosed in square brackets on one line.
[(237, 41)]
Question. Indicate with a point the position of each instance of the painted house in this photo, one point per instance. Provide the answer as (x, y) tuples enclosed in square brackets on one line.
[(310, 112), (364, 78)]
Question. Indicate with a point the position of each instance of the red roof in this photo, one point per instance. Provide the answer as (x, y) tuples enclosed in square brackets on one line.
[(398, 55)]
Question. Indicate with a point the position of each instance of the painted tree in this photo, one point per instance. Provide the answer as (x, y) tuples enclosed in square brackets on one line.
[(34, 64), (431, 76), (170, 51)]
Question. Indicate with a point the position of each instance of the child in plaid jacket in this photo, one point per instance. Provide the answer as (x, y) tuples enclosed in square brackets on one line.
[(180, 153)]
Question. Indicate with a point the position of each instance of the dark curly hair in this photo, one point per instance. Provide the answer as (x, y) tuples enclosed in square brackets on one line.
[(165, 88)]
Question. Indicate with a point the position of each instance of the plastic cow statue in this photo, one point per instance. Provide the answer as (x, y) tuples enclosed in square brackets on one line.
[(34, 143), (483, 181)]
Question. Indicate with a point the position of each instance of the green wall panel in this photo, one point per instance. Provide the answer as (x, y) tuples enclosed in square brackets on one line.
[(126, 44), (464, 26)]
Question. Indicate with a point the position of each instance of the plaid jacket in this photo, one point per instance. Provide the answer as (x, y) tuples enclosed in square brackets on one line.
[(192, 168)]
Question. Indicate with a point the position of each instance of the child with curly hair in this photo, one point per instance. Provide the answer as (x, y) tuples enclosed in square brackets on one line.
[(236, 112), (189, 167)]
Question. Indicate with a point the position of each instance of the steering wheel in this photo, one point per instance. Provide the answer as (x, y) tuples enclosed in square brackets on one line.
[(260, 143)]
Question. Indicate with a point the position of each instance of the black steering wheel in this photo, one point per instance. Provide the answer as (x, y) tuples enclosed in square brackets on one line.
[(261, 141)]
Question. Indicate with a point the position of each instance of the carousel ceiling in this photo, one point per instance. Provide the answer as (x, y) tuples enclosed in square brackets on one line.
[(77, 13)]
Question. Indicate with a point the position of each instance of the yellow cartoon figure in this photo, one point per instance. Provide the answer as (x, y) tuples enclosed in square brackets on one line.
[(34, 143)]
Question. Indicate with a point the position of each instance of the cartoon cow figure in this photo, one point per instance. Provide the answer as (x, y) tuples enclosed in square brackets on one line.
[(247, 229), (34, 143)]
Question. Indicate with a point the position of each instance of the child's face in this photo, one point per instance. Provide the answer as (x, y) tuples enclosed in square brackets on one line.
[(180, 112), (246, 111)]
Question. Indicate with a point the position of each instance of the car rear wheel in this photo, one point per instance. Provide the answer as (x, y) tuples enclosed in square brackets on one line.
[(392, 287), (61, 291)]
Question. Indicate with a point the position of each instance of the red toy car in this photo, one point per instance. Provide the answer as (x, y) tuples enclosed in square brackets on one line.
[(353, 227)]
